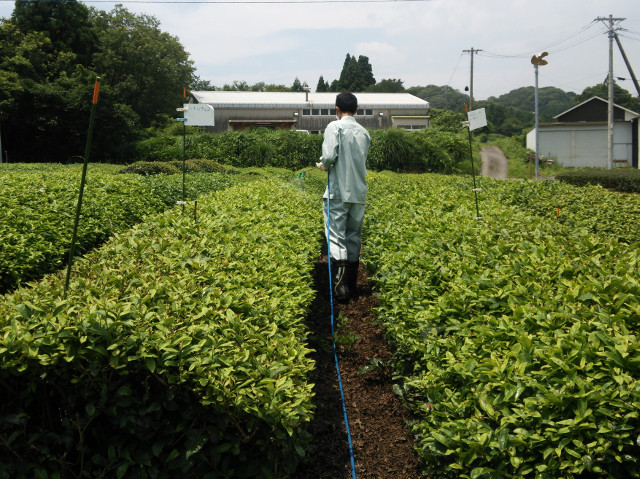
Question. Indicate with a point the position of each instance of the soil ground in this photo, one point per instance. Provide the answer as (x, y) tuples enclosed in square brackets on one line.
[(382, 445)]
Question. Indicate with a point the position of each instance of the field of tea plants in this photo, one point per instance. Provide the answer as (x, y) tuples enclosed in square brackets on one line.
[(516, 337), (180, 348), (38, 203), (183, 341)]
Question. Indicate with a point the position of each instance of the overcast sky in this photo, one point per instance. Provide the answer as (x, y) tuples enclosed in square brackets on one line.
[(420, 42)]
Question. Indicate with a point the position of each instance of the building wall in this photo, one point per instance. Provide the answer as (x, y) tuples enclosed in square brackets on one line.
[(314, 120), (584, 146)]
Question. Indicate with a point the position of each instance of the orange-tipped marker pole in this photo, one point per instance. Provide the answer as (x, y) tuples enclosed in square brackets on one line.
[(87, 151)]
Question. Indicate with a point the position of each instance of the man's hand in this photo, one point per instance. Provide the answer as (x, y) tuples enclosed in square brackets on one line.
[(321, 166)]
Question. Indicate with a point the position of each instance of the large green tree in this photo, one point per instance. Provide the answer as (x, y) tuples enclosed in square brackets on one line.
[(322, 85), (389, 85), (46, 82), (356, 75), (620, 96), (551, 100), (40, 89), (66, 23), (442, 97), (146, 67)]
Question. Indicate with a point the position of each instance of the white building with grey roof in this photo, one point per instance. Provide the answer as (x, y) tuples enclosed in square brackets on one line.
[(312, 112)]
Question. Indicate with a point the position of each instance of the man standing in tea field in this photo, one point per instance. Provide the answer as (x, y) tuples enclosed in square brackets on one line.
[(344, 154)]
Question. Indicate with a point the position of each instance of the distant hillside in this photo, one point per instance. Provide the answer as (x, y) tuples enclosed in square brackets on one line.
[(551, 100), (508, 114)]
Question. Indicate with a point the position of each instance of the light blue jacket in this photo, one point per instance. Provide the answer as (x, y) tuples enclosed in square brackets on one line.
[(344, 154)]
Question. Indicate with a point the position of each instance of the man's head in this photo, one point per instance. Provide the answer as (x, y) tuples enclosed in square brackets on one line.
[(346, 102)]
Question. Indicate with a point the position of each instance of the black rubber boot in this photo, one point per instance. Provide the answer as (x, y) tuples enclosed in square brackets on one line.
[(339, 281), (352, 278)]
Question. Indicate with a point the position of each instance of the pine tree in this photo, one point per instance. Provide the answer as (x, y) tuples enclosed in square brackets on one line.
[(322, 86), (297, 86), (356, 75), (365, 73)]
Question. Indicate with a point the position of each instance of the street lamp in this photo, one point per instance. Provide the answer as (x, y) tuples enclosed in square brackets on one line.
[(537, 60)]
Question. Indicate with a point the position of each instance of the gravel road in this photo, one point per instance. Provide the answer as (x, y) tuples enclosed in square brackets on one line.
[(494, 163)]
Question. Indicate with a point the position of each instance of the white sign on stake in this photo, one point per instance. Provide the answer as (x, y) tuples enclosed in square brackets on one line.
[(198, 114), (477, 119)]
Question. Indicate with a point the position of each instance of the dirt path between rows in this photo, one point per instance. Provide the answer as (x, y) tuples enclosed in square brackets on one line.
[(383, 448), (494, 163)]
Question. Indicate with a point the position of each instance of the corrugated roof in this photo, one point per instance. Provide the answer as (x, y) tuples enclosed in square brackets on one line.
[(251, 99)]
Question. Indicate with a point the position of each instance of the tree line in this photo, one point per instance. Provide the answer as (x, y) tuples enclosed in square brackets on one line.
[(50, 55)]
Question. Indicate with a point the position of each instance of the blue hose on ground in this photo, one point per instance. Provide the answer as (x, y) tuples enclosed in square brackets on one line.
[(335, 352)]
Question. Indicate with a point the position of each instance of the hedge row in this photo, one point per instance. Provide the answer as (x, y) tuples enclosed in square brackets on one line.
[(174, 167), (38, 204), (516, 337), (250, 148), (625, 180), (179, 351), (394, 149)]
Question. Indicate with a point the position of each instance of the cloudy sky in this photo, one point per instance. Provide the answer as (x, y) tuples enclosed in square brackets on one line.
[(420, 42)]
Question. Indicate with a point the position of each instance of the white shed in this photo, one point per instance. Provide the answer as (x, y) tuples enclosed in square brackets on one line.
[(578, 137)]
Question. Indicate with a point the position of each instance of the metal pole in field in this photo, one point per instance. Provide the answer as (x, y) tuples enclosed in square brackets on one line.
[(473, 174), (535, 67), (611, 33), (626, 61), (184, 154), (536, 61), (87, 152), (472, 51), (0, 137), (610, 104)]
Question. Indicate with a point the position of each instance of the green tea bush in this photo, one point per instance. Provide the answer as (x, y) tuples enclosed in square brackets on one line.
[(516, 337), (174, 167), (625, 180), (603, 212), (178, 352), (37, 210), (422, 151)]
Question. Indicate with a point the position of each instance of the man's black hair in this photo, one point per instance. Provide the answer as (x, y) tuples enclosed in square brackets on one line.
[(347, 102)]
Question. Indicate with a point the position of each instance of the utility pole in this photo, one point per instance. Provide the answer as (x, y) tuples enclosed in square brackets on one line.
[(536, 61), (626, 60), (472, 51), (610, 109)]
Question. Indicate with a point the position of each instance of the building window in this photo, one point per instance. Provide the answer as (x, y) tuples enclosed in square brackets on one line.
[(321, 112), (365, 112)]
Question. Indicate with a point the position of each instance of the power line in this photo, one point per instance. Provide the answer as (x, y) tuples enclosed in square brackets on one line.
[(455, 68), (549, 47)]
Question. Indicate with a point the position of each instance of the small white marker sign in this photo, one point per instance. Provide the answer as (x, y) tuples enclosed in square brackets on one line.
[(477, 119), (198, 114)]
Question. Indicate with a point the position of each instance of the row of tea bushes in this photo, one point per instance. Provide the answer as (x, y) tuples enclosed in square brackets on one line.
[(38, 204), (602, 211), (516, 337), (178, 352)]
